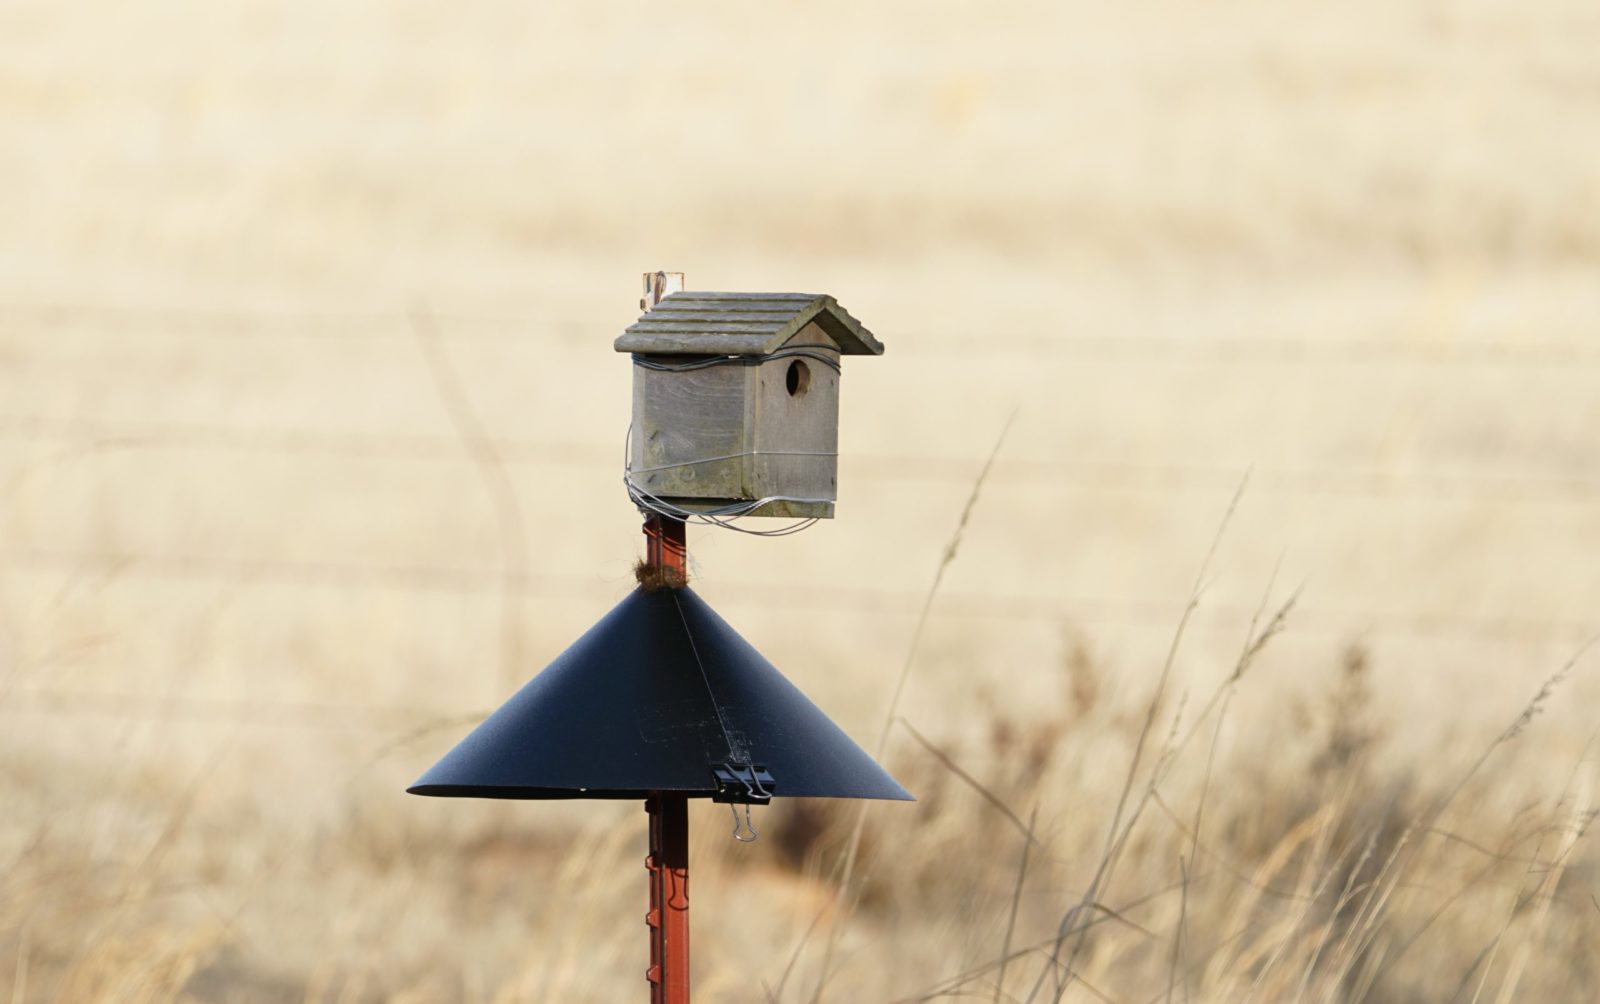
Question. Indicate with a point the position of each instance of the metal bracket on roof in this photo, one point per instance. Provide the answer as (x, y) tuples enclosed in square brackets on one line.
[(747, 784)]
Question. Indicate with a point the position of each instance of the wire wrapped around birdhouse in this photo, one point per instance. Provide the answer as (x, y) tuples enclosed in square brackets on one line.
[(736, 406)]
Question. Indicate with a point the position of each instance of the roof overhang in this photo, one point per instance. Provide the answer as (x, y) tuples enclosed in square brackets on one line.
[(742, 324)]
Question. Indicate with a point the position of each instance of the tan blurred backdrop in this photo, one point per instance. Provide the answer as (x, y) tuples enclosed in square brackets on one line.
[(255, 574)]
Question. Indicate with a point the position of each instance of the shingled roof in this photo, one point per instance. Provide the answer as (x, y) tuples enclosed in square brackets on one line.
[(742, 324)]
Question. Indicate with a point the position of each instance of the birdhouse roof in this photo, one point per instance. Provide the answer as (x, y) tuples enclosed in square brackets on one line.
[(742, 324)]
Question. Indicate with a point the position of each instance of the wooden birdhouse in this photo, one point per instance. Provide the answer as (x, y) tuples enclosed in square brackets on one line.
[(736, 399)]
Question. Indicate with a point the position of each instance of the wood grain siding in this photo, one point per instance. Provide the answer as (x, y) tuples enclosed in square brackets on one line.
[(682, 419), (786, 426)]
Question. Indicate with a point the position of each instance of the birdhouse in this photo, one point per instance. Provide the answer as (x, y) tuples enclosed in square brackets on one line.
[(736, 401)]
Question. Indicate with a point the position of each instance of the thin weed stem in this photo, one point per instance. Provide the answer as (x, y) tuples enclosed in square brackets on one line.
[(852, 853)]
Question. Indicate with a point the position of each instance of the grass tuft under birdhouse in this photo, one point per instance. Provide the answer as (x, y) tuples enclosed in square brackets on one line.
[(655, 578)]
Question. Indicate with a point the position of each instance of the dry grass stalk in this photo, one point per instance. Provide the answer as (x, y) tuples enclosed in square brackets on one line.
[(952, 547), (1016, 903), (491, 468), (1117, 836)]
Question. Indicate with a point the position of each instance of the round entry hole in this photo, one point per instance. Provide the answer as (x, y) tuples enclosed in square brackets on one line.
[(797, 379)]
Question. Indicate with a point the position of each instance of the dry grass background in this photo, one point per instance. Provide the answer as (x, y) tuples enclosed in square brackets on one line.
[(254, 574)]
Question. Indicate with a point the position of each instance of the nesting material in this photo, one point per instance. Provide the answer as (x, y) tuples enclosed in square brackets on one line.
[(658, 578)]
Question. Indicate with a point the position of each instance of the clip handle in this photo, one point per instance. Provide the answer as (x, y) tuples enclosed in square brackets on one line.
[(746, 826)]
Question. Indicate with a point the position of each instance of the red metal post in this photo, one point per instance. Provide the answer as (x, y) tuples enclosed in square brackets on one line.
[(669, 898), (666, 546), (666, 549)]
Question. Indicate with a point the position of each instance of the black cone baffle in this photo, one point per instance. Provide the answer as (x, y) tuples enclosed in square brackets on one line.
[(660, 695)]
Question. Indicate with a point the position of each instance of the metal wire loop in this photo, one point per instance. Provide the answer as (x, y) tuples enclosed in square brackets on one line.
[(723, 517), (748, 825), (757, 789), (706, 362)]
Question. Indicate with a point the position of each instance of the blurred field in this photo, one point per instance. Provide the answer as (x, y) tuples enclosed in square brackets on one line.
[(253, 581)]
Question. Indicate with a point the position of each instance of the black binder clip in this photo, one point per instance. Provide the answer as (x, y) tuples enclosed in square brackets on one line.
[(746, 784)]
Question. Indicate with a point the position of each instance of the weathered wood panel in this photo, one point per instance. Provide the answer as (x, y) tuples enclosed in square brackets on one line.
[(794, 423), (739, 432), (713, 326), (779, 317), (697, 313), (707, 294), (694, 344), (683, 422)]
